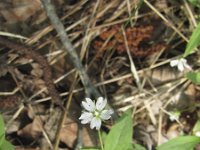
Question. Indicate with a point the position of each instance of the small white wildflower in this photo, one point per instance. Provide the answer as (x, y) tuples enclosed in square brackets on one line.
[(95, 113), (197, 133), (180, 63)]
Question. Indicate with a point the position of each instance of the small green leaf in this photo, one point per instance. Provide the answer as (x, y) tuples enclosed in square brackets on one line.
[(138, 147), (120, 136), (193, 42), (2, 130), (196, 127), (89, 149), (194, 77), (2, 126), (195, 2), (180, 143), (6, 146)]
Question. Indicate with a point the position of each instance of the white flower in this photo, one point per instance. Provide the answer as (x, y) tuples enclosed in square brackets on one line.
[(180, 63), (95, 113)]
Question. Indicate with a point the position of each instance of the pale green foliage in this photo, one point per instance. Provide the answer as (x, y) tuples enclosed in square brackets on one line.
[(4, 144), (195, 3), (120, 136), (137, 147), (193, 42), (180, 143), (196, 127), (89, 149), (194, 77)]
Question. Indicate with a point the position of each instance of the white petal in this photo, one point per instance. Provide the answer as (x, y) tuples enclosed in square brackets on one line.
[(180, 66), (106, 114), (101, 103), (174, 63), (85, 121), (89, 105), (96, 122), (86, 117), (185, 64)]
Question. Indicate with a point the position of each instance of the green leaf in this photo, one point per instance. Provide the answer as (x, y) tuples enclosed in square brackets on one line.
[(180, 143), (196, 127), (6, 146), (194, 77), (195, 2), (2, 130), (120, 136), (138, 147), (193, 42), (89, 149)]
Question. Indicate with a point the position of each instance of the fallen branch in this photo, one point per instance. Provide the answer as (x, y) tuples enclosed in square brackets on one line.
[(51, 13)]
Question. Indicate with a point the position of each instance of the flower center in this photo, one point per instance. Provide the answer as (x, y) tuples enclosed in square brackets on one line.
[(96, 114)]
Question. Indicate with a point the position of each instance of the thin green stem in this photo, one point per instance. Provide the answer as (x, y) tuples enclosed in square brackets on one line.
[(100, 139)]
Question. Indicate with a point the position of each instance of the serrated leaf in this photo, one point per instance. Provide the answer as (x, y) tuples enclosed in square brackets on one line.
[(120, 136), (180, 143), (6, 146), (194, 77), (193, 42)]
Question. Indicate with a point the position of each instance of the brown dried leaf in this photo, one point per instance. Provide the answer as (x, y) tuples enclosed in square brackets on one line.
[(12, 57), (36, 71), (20, 10), (173, 131), (135, 36), (69, 134), (162, 75), (22, 60), (32, 130)]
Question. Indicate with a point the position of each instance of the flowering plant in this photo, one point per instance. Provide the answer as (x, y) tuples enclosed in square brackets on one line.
[(95, 113), (181, 64)]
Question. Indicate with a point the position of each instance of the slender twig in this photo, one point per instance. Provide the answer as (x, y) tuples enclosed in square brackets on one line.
[(50, 10), (65, 114), (190, 13), (166, 21), (133, 68)]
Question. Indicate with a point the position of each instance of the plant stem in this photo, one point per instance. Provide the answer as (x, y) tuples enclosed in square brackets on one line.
[(100, 139)]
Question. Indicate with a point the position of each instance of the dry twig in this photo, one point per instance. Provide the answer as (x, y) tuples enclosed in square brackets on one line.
[(50, 10)]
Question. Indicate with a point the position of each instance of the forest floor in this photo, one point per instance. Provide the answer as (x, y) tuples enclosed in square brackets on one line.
[(125, 47)]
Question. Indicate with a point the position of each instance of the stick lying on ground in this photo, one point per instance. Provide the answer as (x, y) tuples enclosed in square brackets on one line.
[(50, 10)]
